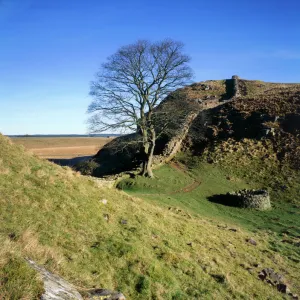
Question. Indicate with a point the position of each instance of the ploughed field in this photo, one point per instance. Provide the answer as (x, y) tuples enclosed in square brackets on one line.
[(63, 148)]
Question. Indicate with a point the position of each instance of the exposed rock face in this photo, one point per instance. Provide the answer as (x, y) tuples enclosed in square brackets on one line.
[(274, 279), (257, 199), (55, 287)]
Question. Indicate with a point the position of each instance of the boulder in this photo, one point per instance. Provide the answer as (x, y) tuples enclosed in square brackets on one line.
[(57, 288), (104, 294)]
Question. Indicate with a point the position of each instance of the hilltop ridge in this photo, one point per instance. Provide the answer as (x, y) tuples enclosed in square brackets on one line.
[(215, 110)]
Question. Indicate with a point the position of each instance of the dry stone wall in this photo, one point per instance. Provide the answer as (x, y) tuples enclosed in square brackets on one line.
[(174, 145), (236, 91)]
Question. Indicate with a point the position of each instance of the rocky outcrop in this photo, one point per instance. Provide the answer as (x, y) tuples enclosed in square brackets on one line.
[(276, 280), (56, 288)]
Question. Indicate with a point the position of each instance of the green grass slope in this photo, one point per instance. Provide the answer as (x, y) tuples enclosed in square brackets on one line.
[(55, 217), (174, 187)]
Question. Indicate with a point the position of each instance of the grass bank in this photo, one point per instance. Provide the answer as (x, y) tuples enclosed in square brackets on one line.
[(148, 251)]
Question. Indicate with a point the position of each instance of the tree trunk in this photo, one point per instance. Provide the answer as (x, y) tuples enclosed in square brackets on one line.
[(147, 163), (149, 172), (148, 156)]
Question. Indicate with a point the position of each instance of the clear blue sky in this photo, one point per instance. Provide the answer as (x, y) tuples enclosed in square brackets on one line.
[(50, 49)]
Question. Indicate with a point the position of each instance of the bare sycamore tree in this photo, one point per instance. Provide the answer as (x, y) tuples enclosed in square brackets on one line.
[(130, 85)]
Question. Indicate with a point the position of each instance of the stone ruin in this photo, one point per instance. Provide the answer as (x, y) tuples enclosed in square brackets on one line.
[(256, 199)]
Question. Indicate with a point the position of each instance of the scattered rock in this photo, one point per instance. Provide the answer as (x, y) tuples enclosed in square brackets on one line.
[(123, 222), (104, 201), (256, 265), (262, 276), (12, 236), (251, 241), (222, 226), (218, 278), (274, 279), (106, 217), (104, 294), (95, 245), (233, 229), (205, 87), (283, 288)]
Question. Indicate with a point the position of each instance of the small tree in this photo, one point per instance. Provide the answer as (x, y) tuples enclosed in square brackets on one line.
[(130, 85)]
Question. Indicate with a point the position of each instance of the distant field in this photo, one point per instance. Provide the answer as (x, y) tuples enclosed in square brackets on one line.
[(62, 147)]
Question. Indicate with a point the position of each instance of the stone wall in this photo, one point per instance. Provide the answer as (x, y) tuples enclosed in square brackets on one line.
[(174, 145), (256, 199), (236, 91)]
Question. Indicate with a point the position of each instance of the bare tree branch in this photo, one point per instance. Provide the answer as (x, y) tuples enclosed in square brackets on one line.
[(130, 85)]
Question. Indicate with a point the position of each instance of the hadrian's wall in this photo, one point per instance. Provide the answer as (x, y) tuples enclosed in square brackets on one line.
[(174, 145), (236, 91)]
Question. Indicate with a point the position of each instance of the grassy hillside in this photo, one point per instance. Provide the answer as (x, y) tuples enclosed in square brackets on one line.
[(55, 217), (174, 185)]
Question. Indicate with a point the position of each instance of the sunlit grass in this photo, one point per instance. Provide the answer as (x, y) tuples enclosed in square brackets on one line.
[(53, 216)]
